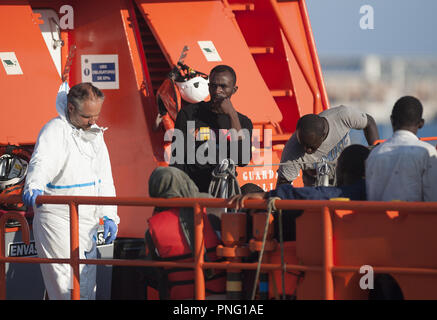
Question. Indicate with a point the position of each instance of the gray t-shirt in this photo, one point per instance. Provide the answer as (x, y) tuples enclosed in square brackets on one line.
[(340, 119)]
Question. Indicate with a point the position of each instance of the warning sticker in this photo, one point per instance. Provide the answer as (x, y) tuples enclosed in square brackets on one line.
[(10, 63), (101, 70), (209, 50)]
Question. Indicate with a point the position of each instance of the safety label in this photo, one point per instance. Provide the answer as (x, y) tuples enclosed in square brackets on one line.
[(209, 50), (10, 63), (101, 70), (20, 249)]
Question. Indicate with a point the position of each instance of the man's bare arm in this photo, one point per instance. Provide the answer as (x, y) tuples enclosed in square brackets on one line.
[(371, 130)]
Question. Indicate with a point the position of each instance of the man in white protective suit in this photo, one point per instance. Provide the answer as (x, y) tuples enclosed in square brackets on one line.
[(71, 158)]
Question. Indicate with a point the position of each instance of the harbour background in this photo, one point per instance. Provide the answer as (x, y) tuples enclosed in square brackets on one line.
[(371, 68), (373, 84)]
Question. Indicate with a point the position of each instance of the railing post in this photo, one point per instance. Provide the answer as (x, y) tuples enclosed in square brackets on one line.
[(199, 279), (2, 264), (25, 235), (2, 267), (328, 258), (74, 250)]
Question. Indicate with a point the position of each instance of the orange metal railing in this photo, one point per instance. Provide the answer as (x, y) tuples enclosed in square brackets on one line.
[(325, 208), (422, 139)]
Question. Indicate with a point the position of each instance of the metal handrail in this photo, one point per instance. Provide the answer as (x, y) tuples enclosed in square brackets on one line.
[(420, 138), (313, 87), (324, 207)]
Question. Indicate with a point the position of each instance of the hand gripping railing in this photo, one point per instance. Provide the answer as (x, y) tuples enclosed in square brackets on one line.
[(315, 206)]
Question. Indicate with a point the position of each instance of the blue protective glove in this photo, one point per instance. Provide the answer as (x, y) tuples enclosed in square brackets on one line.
[(30, 196), (110, 227)]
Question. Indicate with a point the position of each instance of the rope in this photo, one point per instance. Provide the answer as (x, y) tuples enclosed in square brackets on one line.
[(287, 163), (281, 244), (228, 176), (270, 208)]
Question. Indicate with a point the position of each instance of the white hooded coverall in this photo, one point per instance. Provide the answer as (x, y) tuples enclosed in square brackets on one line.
[(69, 161)]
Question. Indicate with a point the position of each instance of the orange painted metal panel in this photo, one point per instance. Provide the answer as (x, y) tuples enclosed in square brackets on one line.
[(260, 27), (371, 237), (291, 69), (27, 100), (293, 21), (261, 170), (304, 96), (176, 24), (128, 112)]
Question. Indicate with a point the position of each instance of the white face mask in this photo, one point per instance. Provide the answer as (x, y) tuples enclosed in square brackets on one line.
[(92, 133), (86, 140)]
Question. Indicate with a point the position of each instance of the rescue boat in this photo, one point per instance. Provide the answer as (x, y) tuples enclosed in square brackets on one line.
[(127, 48)]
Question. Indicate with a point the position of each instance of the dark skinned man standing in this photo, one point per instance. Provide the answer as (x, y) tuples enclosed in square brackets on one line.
[(208, 132)]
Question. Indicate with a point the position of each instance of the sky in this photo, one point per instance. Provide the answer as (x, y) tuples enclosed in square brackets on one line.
[(400, 27)]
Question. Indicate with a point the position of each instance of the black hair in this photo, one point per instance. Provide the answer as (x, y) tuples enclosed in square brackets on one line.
[(224, 68), (250, 188), (310, 123), (82, 92), (352, 160), (407, 111)]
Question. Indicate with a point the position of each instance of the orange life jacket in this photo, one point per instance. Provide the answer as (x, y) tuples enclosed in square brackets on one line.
[(173, 243)]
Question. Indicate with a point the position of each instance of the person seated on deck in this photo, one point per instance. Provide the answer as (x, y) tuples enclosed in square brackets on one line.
[(171, 182), (249, 188), (318, 142), (403, 167), (350, 182), (203, 129), (170, 236)]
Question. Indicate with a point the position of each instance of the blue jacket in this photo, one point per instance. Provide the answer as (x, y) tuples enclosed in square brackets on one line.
[(355, 191)]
